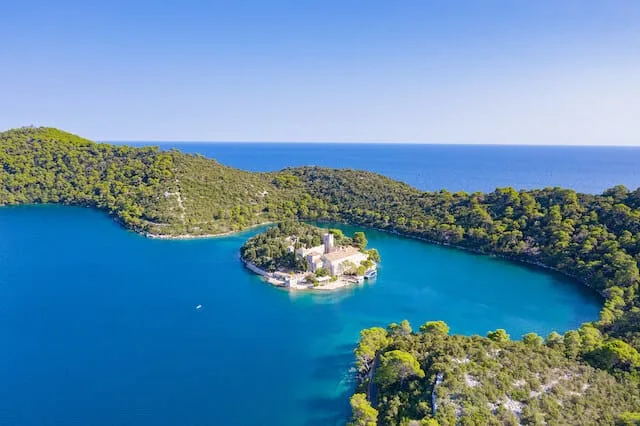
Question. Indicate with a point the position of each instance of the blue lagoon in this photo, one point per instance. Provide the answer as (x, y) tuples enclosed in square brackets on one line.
[(100, 325)]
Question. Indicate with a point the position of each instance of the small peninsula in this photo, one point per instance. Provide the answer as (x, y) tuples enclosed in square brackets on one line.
[(299, 256)]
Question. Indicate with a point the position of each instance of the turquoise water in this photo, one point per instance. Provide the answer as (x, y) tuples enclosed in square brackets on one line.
[(98, 325)]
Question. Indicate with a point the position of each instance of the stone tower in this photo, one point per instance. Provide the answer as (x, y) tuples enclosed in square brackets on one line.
[(327, 240)]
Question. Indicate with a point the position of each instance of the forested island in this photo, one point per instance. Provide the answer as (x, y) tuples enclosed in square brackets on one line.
[(299, 256), (595, 239)]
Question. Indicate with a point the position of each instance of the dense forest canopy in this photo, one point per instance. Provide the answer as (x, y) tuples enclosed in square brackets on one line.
[(434, 378), (269, 249), (593, 238), (50, 166)]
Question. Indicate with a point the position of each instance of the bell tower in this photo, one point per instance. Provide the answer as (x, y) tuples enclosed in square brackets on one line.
[(328, 243)]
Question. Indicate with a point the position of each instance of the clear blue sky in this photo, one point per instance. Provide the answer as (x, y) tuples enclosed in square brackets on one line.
[(531, 71)]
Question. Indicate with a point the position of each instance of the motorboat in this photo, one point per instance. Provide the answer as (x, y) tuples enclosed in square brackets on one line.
[(371, 274)]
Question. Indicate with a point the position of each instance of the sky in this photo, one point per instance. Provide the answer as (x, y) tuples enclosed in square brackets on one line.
[(414, 71)]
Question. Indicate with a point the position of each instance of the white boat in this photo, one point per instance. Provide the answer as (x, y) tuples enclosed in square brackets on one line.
[(198, 307), (371, 274)]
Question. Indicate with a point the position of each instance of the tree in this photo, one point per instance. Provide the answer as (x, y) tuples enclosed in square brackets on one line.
[(628, 419), (322, 272), (360, 240), (405, 328), (402, 329), (349, 268), (435, 327), (366, 263), (618, 192), (362, 413), (532, 339), (615, 354), (371, 341), (591, 337), (338, 237), (397, 366), (374, 255), (554, 341), (572, 344), (337, 233), (500, 335)]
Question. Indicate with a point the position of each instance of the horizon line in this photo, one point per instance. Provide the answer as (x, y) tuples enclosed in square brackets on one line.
[(291, 142)]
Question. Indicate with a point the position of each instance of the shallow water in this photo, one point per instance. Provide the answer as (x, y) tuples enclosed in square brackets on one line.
[(98, 325)]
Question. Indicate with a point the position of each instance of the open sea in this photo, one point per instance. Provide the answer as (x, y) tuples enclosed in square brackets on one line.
[(434, 167), (99, 326)]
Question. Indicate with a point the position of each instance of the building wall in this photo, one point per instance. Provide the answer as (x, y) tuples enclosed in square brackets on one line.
[(314, 262), (255, 269), (335, 267), (303, 252)]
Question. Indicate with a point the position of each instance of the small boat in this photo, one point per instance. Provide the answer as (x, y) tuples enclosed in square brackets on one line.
[(198, 307), (369, 275)]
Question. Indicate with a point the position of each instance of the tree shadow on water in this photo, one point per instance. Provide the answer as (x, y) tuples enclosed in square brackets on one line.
[(326, 367), (336, 368), (327, 410)]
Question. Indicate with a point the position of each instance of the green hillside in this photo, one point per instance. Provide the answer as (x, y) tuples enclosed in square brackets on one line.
[(161, 193)]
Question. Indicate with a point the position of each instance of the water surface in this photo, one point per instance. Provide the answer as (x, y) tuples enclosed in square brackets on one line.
[(98, 325), (452, 167)]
